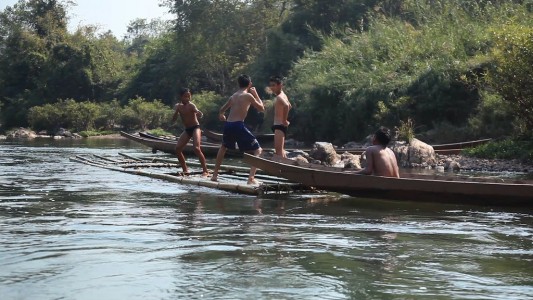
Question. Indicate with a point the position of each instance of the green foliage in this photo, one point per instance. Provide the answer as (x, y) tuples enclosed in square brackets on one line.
[(512, 74), (407, 130), (90, 133), (505, 149), (159, 132), (413, 66), (146, 114), (209, 103)]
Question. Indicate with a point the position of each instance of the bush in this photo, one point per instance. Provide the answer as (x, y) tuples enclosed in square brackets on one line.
[(412, 66), (159, 132), (145, 114), (511, 76), (46, 117), (209, 103), (506, 149), (89, 133)]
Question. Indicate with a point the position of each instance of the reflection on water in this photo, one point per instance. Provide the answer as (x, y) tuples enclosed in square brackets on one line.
[(71, 231)]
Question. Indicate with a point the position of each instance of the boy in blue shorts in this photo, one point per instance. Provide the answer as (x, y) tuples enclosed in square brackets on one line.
[(235, 132)]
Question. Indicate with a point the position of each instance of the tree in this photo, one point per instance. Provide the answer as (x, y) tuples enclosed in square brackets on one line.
[(512, 75)]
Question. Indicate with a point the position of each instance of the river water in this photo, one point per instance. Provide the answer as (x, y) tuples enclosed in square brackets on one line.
[(71, 231)]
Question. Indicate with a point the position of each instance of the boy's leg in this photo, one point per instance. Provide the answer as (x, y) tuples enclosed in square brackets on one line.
[(279, 142), (182, 142), (220, 157), (196, 139), (253, 170)]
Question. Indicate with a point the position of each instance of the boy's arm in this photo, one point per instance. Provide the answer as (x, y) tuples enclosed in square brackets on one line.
[(197, 112), (222, 111), (176, 113), (286, 108), (369, 169), (256, 100)]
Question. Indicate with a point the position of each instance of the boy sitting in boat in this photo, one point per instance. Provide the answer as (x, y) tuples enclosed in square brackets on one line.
[(189, 116), (235, 132), (282, 106), (381, 161)]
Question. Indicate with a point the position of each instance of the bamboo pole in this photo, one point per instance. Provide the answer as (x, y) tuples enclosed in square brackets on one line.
[(225, 186)]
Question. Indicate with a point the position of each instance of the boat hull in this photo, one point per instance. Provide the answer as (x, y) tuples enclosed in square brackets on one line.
[(169, 146), (409, 189)]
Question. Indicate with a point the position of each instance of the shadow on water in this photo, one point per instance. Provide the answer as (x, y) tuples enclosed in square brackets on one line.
[(71, 231)]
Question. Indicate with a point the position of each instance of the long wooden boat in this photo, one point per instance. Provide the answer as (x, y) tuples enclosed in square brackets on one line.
[(357, 151), (169, 146), (462, 145), (410, 188), (155, 137), (217, 137)]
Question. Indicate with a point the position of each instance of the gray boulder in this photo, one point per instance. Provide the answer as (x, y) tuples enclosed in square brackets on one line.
[(325, 152), (452, 165), (300, 160), (351, 161), (416, 153), (22, 133), (296, 153)]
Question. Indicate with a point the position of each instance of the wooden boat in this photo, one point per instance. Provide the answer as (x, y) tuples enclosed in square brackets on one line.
[(169, 146), (410, 188), (155, 137), (460, 146), (217, 137), (356, 151)]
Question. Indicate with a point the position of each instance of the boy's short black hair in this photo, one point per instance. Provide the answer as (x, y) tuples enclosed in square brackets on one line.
[(184, 91), (244, 80), (276, 79), (383, 136)]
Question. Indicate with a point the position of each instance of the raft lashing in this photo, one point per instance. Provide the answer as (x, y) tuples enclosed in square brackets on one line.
[(230, 179)]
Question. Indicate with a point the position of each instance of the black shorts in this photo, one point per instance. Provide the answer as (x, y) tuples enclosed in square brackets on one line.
[(190, 130), (237, 133), (280, 127)]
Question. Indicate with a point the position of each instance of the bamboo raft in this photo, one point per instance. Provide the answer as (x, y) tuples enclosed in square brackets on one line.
[(231, 178)]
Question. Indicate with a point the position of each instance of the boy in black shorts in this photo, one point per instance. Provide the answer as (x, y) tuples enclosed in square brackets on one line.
[(235, 132), (189, 116)]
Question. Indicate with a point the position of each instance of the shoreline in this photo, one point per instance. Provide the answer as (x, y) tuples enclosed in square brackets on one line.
[(474, 164)]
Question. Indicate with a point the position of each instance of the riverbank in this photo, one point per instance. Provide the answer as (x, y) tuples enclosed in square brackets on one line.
[(466, 163)]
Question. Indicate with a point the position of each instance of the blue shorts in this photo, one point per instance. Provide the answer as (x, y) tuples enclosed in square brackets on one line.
[(237, 133)]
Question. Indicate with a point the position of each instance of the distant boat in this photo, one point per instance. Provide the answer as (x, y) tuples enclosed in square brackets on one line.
[(443, 149), (461, 145), (169, 146), (427, 188), (217, 137)]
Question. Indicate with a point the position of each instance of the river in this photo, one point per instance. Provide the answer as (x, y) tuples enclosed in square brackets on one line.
[(71, 231)]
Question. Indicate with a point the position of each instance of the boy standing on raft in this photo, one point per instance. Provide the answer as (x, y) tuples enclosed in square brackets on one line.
[(189, 116), (235, 132), (282, 106)]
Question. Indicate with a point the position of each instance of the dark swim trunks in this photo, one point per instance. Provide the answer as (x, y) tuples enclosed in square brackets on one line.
[(190, 130), (280, 127), (237, 133)]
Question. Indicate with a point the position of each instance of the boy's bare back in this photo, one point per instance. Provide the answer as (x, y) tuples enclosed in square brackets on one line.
[(383, 161)]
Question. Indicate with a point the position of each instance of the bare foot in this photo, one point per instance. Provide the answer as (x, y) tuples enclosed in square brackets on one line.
[(214, 178), (253, 182), (205, 174)]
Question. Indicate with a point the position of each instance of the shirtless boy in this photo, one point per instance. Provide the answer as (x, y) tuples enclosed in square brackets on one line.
[(189, 116), (235, 132), (281, 114), (381, 161)]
